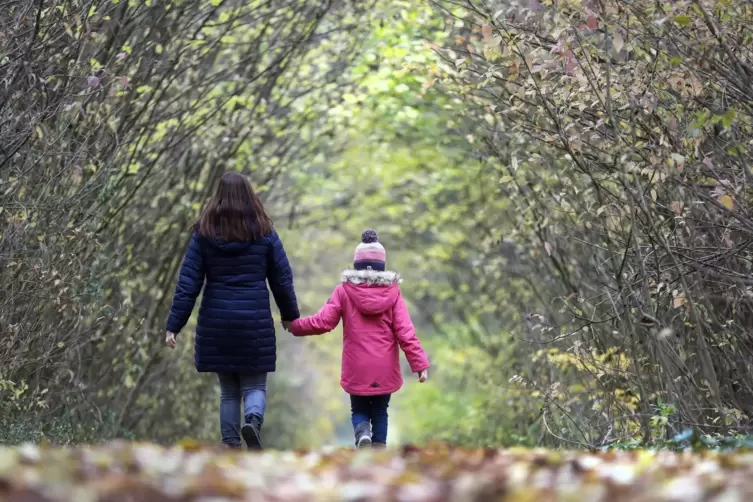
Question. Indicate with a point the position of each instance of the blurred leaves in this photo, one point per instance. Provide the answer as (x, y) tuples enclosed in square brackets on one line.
[(437, 472)]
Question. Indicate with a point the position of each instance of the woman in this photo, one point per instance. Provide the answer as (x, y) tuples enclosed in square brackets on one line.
[(235, 248)]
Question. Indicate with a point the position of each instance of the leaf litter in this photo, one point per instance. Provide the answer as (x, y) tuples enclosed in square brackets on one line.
[(120, 472)]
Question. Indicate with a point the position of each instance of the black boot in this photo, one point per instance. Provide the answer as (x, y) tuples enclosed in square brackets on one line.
[(363, 435), (251, 432)]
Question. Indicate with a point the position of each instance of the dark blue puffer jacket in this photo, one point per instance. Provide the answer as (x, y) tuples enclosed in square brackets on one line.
[(235, 331)]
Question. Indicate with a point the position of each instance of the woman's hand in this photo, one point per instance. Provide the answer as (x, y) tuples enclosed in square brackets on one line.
[(286, 325), (423, 376), (170, 339)]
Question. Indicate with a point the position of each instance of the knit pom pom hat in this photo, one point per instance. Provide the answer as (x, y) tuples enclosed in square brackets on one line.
[(369, 253)]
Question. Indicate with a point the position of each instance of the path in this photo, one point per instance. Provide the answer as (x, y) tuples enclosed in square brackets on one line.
[(121, 472)]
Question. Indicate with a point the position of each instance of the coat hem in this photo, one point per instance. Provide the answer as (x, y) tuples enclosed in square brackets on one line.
[(243, 370), (378, 391)]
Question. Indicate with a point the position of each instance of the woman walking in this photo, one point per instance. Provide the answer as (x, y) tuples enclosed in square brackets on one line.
[(235, 249)]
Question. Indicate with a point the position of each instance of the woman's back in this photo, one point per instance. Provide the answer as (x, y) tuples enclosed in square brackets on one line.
[(233, 253), (236, 264)]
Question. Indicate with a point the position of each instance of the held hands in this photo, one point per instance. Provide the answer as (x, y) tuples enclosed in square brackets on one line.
[(286, 325), (170, 339), (423, 376)]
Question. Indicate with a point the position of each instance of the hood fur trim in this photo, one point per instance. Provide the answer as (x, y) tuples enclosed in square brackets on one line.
[(371, 277)]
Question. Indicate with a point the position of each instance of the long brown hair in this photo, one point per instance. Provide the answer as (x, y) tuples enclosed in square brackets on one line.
[(235, 213)]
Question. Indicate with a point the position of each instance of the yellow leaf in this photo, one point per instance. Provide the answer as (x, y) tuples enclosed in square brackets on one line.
[(727, 201), (682, 20)]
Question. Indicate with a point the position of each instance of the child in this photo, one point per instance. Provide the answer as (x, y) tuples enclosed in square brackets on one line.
[(375, 322)]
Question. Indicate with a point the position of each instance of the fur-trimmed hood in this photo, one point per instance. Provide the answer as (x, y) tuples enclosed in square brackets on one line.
[(371, 277), (371, 291)]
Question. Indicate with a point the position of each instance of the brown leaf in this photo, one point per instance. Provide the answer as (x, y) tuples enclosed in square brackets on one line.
[(728, 241), (617, 42), (487, 31), (679, 300), (548, 248), (569, 62), (592, 22), (696, 84)]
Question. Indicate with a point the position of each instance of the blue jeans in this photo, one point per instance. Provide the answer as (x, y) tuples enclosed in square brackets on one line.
[(252, 388), (371, 409)]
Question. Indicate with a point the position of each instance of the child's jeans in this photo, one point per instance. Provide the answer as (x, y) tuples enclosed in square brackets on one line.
[(371, 409), (252, 387)]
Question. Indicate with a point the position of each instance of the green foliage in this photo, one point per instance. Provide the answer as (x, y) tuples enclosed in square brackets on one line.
[(116, 120), (564, 187), (567, 201)]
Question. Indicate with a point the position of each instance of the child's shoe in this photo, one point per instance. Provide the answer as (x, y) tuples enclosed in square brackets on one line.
[(251, 432), (363, 435)]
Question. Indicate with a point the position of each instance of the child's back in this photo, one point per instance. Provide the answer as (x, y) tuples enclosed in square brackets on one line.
[(375, 323)]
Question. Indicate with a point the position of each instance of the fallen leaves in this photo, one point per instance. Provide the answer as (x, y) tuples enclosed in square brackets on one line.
[(149, 473)]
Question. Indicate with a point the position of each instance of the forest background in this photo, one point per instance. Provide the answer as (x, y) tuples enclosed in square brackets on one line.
[(564, 186)]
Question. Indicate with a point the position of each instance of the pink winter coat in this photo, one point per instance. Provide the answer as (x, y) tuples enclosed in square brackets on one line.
[(375, 322)]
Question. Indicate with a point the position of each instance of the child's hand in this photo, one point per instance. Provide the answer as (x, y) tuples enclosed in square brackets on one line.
[(423, 376)]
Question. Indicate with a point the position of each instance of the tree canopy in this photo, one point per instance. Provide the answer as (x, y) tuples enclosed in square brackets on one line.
[(563, 185)]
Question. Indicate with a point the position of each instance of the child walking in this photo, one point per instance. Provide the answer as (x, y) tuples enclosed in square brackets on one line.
[(375, 323)]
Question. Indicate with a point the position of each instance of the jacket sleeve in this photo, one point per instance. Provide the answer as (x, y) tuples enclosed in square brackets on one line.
[(323, 322), (280, 277), (190, 282), (406, 337)]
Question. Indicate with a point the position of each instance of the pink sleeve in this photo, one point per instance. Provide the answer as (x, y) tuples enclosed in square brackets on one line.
[(323, 322), (406, 337)]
